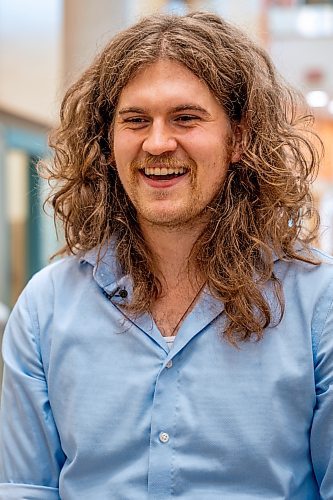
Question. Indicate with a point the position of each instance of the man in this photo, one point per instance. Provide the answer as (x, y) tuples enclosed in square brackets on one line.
[(185, 348)]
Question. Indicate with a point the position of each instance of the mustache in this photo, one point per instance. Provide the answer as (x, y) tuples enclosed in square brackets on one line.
[(163, 161)]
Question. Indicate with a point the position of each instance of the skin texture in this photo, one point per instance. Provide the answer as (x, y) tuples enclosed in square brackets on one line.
[(166, 116)]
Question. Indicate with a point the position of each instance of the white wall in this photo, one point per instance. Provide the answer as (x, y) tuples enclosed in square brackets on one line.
[(30, 57), (88, 25), (295, 57)]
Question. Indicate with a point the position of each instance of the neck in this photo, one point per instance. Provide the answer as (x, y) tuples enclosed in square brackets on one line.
[(171, 249), (181, 281)]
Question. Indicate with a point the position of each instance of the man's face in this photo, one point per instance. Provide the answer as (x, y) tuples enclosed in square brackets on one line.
[(172, 144)]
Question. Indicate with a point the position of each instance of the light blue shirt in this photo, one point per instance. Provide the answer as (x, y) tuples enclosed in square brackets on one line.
[(96, 407)]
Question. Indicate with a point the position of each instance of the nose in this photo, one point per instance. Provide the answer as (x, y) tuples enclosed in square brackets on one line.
[(159, 140)]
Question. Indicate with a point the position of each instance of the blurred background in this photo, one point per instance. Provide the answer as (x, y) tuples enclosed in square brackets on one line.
[(45, 44)]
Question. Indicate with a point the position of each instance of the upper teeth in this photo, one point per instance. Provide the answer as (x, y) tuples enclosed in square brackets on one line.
[(163, 170)]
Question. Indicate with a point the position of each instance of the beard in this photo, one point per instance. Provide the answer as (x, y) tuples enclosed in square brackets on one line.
[(183, 208)]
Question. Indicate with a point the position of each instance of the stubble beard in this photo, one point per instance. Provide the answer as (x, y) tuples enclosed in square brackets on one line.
[(186, 217)]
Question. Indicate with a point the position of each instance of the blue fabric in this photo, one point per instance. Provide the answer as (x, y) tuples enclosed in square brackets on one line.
[(87, 392)]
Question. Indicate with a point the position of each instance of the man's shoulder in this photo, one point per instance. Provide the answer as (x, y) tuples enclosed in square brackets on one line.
[(76, 271), (323, 257), (56, 271), (313, 261), (65, 273), (304, 279)]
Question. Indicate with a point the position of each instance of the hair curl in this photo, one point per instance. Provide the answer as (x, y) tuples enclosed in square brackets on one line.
[(264, 202)]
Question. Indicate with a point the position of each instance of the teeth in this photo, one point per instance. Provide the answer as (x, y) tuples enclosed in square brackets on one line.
[(163, 170)]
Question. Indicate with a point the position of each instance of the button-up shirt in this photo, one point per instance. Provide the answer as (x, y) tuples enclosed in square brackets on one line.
[(95, 405)]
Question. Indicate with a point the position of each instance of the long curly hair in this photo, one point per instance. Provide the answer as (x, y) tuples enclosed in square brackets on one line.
[(264, 208)]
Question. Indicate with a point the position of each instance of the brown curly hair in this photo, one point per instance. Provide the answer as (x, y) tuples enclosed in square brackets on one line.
[(262, 207)]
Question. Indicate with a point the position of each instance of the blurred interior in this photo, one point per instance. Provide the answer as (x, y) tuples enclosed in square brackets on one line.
[(45, 44)]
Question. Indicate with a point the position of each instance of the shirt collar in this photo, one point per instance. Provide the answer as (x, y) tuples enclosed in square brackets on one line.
[(108, 274)]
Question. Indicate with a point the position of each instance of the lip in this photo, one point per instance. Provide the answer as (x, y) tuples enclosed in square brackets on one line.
[(162, 184)]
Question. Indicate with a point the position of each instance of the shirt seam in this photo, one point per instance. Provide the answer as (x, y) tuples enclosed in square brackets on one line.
[(36, 333), (34, 322), (318, 332)]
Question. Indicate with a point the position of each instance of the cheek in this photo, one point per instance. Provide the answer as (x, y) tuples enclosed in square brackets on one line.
[(119, 150), (212, 174), (126, 150)]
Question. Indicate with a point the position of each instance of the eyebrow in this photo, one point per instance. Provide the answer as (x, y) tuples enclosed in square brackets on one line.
[(175, 109), (123, 111), (191, 107)]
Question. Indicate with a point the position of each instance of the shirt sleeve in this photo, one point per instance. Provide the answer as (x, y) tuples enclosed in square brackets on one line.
[(31, 457), (321, 440)]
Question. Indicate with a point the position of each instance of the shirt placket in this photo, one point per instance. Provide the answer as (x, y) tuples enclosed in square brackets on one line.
[(163, 431)]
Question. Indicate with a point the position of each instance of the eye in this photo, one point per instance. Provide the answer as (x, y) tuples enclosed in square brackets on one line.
[(186, 118), (135, 121)]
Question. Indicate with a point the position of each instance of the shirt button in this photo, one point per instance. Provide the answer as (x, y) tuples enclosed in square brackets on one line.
[(169, 364), (164, 437)]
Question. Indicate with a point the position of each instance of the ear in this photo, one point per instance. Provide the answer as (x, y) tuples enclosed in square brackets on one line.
[(237, 142)]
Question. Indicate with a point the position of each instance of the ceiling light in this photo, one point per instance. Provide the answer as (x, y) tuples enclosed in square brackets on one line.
[(317, 98)]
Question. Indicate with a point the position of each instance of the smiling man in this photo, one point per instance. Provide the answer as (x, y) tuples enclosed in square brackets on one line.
[(177, 134), (183, 346)]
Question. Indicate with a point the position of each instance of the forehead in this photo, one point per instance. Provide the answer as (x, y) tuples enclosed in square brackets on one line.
[(166, 80), (161, 68)]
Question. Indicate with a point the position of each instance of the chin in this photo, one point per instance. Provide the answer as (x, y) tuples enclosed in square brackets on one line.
[(173, 220)]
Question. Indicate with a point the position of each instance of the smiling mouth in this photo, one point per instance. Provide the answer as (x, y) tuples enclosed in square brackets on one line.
[(163, 173)]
